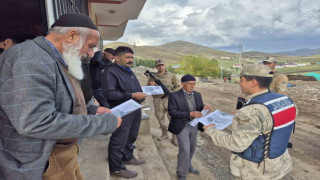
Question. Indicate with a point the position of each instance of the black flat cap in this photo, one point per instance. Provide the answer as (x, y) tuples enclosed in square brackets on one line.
[(188, 77), (75, 20)]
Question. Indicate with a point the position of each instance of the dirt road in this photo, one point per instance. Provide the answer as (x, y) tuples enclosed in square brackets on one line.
[(306, 144)]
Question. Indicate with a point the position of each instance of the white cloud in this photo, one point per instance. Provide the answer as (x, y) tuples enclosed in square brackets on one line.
[(223, 23)]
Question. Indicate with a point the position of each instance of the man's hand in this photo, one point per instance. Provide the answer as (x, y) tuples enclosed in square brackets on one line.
[(138, 95), (206, 127), (102, 110), (119, 121), (195, 114), (152, 83), (207, 107)]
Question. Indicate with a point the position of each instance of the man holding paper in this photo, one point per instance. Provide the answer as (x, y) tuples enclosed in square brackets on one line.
[(161, 104), (185, 105), (260, 129), (120, 85)]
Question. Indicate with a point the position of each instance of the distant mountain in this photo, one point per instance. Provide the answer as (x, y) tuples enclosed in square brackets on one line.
[(259, 55), (173, 51), (301, 52)]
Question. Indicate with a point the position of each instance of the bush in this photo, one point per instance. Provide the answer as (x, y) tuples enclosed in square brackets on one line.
[(144, 62), (200, 66)]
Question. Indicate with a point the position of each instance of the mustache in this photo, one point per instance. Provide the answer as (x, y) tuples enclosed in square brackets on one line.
[(129, 62)]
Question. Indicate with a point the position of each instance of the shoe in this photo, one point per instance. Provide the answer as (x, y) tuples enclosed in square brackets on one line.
[(125, 173), (163, 137), (135, 161), (182, 178), (193, 171)]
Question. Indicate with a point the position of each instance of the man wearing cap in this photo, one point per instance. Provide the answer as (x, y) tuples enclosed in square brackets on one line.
[(261, 129), (97, 64), (42, 108), (185, 105), (161, 104), (279, 81)]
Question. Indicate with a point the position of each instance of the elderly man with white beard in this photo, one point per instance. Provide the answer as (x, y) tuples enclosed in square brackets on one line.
[(42, 108)]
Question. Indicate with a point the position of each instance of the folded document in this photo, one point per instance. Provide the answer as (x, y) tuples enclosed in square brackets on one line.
[(220, 119), (126, 108)]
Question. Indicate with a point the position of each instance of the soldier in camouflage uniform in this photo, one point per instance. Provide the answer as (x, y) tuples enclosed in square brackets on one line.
[(279, 81), (161, 105), (248, 123)]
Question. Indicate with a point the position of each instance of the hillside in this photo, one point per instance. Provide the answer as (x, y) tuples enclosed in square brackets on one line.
[(301, 52), (173, 51), (259, 55)]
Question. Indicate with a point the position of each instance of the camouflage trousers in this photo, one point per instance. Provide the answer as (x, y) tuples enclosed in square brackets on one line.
[(161, 111)]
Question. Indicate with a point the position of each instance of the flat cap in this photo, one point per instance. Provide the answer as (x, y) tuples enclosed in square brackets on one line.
[(158, 62), (188, 77), (256, 70), (75, 20)]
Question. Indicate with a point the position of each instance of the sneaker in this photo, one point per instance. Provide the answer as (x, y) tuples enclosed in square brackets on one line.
[(193, 171), (125, 173), (135, 161), (163, 137)]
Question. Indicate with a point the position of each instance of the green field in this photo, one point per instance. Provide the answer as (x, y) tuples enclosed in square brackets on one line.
[(300, 70)]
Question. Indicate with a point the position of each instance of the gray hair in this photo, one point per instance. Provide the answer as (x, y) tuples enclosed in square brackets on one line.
[(84, 32)]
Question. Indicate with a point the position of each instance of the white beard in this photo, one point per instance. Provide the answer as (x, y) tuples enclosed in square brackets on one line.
[(71, 54)]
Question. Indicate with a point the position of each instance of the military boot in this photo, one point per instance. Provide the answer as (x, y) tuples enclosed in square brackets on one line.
[(164, 135)]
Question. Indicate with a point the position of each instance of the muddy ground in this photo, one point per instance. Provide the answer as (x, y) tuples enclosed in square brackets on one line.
[(306, 138)]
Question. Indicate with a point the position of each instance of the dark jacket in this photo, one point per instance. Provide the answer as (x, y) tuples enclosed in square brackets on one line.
[(119, 84), (179, 110), (97, 64), (86, 81)]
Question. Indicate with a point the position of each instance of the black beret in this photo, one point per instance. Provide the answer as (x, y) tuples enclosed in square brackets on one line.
[(75, 20), (188, 77)]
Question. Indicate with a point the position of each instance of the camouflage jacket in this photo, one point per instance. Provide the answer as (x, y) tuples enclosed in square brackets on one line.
[(279, 83), (248, 123), (169, 80)]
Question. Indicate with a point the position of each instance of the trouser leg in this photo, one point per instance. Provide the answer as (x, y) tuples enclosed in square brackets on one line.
[(118, 142), (184, 152), (193, 142), (63, 164), (133, 134), (160, 114)]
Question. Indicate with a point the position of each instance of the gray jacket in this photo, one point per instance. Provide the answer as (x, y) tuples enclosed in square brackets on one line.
[(36, 102)]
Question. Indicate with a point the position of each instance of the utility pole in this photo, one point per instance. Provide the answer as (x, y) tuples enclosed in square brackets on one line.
[(221, 71), (240, 54)]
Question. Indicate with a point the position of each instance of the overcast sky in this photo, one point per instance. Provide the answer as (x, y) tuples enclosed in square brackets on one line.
[(260, 25)]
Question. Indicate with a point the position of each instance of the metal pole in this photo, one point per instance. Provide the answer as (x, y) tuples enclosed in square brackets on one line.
[(240, 54), (221, 71)]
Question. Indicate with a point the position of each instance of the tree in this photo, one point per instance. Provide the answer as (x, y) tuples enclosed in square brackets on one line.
[(200, 66), (144, 62)]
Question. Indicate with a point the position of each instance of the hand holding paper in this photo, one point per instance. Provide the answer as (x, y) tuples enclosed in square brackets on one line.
[(220, 119), (152, 90), (126, 108)]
